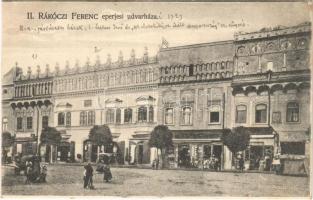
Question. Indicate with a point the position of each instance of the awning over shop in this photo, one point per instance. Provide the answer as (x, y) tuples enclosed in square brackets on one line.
[(141, 136), (213, 134), (292, 136)]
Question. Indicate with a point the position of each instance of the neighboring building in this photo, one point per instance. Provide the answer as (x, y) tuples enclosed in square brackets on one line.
[(31, 107), (259, 80), (271, 89), (7, 112), (194, 99)]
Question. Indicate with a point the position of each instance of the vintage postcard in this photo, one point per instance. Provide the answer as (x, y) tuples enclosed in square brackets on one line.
[(202, 99)]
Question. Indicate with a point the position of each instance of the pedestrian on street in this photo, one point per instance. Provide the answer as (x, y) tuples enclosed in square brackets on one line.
[(89, 176), (29, 169), (241, 163), (107, 175), (85, 177)]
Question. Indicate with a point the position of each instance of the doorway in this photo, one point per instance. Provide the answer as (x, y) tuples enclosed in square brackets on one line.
[(183, 155), (48, 153), (140, 153), (63, 152), (256, 154)]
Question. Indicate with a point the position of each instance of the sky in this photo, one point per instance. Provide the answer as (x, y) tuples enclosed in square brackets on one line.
[(33, 48)]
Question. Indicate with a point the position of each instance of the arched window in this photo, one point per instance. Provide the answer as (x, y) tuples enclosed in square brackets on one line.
[(142, 114), (61, 119), (293, 112), (169, 113), (110, 115), (241, 114), (128, 115), (118, 116), (151, 114), (186, 116), (83, 118), (91, 118), (68, 119), (261, 113)]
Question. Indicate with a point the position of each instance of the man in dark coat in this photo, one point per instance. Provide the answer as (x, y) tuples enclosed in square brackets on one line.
[(89, 175)]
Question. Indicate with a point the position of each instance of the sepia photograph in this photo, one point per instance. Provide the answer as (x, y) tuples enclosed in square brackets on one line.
[(156, 99)]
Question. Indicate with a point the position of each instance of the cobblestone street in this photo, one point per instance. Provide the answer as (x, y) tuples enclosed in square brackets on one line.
[(68, 180)]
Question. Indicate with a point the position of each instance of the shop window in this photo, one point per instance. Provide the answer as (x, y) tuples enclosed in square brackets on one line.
[(261, 113), (118, 116), (142, 114), (292, 112), (29, 148), (128, 115), (91, 118), (110, 116), (83, 118), (45, 121), (241, 114), (186, 116), (19, 123), (295, 148), (68, 119), (169, 116), (29, 123), (151, 114), (4, 124), (61, 119)]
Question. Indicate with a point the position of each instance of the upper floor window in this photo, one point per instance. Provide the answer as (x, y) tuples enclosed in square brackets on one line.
[(110, 116), (270, 66), (19, 123), (151, 114), (214, 114), (169, 114), (241, 114), (5, 91), (261, 113), (61, 119), (68, 119), (91, 118), (4, 124), (186, 116), (87, 103), (191, 68), (128, 115), (29, 122), (292, 112), (118, 116), (142, 114), (45, 121), (83, 118)]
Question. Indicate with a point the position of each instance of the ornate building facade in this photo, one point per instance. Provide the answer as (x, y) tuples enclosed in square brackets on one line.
[(120, 94), (259, 80)]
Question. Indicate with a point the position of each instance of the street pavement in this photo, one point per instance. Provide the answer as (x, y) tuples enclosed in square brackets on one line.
[(68, 181)]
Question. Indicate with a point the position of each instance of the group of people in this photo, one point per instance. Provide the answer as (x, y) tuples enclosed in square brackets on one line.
[(212, 163), (88, 174), (33, 175)]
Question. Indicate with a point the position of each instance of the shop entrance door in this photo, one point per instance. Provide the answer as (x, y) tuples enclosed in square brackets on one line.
[(94, 153), (140, 153), (63, 151), (256, 154), (217, 151), (48, 153), (183, 155)]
